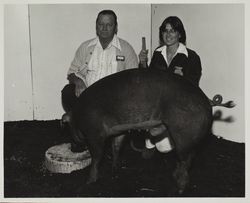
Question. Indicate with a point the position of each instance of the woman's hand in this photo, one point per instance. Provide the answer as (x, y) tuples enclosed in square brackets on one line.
[(143, 57)]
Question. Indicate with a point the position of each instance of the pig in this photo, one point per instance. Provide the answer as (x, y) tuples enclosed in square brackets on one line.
[(143, 99)]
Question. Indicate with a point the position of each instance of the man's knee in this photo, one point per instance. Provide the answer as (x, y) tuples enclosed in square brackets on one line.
[(68, 90), (68, 97)]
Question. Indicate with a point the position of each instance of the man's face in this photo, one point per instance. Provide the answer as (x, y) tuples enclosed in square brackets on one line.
[(105, 27)]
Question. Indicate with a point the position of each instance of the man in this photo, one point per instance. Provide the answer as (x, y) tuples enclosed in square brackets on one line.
[(96, 58)]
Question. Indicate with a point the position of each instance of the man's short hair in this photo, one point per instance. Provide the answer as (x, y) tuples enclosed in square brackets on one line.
[(107, 12)]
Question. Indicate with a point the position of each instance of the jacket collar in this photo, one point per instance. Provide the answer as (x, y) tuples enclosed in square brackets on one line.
[(181, 49)]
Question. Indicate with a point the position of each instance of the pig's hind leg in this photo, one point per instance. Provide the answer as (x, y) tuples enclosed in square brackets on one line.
[(181, 173)]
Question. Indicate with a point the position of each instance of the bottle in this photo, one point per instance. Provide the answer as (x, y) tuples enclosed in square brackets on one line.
[(144, 63)]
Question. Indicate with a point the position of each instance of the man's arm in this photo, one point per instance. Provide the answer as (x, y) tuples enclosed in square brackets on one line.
[(74, 75), (79, 84), (131, 60)]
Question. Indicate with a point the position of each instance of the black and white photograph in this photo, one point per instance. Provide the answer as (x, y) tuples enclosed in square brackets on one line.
[(124, 100)]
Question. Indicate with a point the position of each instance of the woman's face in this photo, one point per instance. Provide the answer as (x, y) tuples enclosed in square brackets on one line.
[(170, 36)]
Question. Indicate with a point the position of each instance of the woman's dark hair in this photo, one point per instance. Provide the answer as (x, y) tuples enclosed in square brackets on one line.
[(107, 12), (177, 25)]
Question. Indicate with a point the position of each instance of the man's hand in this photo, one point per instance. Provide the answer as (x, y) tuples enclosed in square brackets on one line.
[(79, 84)]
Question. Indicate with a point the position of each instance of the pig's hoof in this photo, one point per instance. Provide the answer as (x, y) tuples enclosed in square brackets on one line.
[(116, 171), (115, 176), (180, 191), (66, 118), (91, 181), (77, 148)]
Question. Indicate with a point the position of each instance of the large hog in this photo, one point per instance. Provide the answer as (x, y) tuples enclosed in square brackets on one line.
[(142, 99)]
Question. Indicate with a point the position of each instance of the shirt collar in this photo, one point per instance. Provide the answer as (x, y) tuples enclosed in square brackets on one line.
[(181, 49), (115, 42)]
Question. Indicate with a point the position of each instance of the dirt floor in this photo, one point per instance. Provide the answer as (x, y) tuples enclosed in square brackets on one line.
[(217, 171)]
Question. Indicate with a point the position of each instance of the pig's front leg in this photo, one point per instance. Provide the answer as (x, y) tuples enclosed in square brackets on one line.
[(116, 146)]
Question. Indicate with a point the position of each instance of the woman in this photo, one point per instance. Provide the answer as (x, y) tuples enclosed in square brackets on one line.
[(173, 56)]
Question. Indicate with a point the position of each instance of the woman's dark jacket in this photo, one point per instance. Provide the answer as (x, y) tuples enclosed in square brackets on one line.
[(191, 65)]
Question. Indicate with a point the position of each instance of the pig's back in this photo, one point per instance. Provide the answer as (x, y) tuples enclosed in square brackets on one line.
[(138, 94)]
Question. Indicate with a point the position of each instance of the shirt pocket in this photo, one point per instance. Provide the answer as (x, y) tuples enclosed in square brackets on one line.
[(113, 66)]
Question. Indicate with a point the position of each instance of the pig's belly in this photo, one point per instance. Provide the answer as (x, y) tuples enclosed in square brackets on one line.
[(132, 126)]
